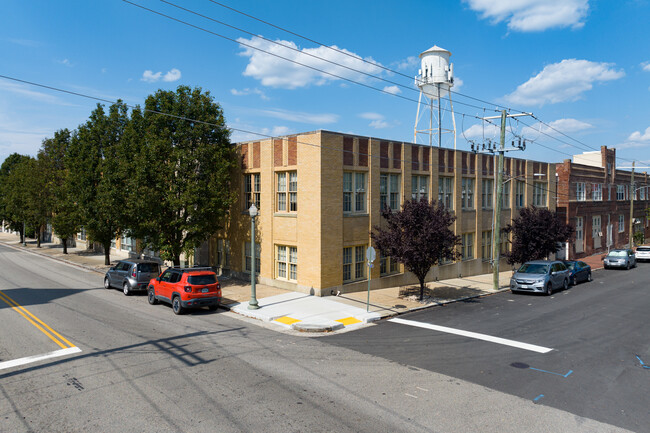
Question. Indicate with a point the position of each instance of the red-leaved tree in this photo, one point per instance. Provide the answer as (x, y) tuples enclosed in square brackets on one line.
[(419, 236)]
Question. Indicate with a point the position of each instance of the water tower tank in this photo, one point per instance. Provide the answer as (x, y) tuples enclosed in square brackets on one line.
[(436, 74)]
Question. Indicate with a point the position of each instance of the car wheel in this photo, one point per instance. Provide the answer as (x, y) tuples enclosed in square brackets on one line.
[(177, 307), (151, 296), (574, 281), (126, 289), (566, 284), (107, 284), (627, 266), (549, 289), (589, 277)]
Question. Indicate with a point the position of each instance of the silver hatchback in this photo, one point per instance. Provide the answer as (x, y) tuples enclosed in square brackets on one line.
[(131, 275), (623, 258), (540, 276)]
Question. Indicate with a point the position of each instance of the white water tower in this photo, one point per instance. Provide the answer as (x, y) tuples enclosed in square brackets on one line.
[(435, 79)]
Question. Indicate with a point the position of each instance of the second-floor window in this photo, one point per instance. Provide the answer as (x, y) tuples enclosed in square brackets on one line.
[(354, 192), (620, 192), (520, 191), (446, 191), (467, 193), (539, 194), (580, 191), (288, 191), (487, 191), (598, 192), (420, 187), (252, 190), (389, 188)]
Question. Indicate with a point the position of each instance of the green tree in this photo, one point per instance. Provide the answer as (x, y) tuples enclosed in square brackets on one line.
[(417, 236), (184, 171), (15, 222), (62, 204), (536, 233), (96, 178)]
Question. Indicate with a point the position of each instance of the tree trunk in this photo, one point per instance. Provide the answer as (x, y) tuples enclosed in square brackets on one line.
[(177, 261), (421, 289), (107, 254), (65, 245), (38, 237)]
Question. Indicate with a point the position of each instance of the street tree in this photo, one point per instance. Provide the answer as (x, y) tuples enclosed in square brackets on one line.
[(536, 233), (62, 204), (184, 172), (419, 236), (97, 176)]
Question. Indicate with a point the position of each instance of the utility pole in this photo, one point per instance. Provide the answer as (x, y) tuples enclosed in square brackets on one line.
[(496, 233), (632, 191)]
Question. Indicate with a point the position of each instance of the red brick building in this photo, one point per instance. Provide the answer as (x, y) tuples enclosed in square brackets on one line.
[(595, 198)]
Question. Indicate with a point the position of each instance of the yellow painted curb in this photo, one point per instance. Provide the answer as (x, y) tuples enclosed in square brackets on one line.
[(287, 320), (349, 321)]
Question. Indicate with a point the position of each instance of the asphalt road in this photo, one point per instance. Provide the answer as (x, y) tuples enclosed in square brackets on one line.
[(599, 333), (127, 366)]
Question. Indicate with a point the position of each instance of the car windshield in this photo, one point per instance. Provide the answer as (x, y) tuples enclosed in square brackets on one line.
[(151, 268), (570, 265), (533, 268), (620, 253), (202, 279)]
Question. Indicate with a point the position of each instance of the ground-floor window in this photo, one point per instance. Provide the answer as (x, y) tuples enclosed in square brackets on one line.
[(486, 245), (387, 265), (287, 262), (354, 265), (467, 246)]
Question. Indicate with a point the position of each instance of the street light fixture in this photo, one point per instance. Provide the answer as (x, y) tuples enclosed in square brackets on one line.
[(252, 304)]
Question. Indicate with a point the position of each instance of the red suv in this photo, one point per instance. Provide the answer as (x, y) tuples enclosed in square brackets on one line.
[(186, 288)]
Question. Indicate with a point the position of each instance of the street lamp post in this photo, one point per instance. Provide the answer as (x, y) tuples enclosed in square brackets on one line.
[(252, 304)]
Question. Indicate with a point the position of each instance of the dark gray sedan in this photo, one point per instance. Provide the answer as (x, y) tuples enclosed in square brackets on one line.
[(579, 271)]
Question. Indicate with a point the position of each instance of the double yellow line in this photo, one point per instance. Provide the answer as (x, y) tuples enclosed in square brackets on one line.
[(38, 323)]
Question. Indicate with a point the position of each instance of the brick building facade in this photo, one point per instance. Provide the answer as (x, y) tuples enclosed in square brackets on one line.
[(595, 197)]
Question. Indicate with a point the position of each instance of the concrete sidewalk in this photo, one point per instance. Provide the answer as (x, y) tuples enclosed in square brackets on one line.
[(300, 311)]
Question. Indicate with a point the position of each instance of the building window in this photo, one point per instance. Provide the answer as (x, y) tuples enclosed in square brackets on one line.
[(580, 191), (486, 245), (389, 186), (127, 243), (252, 190), (504, 244), (354, 192), (539, 194), (642, 193), (579, 235), (446, 191), (520, 191), (287, 263), (620, 192), (292, 191), (81, 236), (420, 188), (467, 246), (467, 193), (387, 265), (621, 223), (223, 253), (597, 192), (596, 230), (487, 191), (247, 253), (354, 265), (505, 197)]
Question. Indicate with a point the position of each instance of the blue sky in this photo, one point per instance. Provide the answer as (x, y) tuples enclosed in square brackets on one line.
[(580, 66)]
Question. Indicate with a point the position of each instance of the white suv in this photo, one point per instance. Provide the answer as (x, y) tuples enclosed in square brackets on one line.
[(642, 253)]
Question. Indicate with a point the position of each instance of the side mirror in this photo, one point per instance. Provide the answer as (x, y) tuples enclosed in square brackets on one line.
[(112, 268)]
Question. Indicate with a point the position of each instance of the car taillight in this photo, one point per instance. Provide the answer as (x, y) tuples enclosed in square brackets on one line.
[(188, 289), (134, 272), (218, 286)]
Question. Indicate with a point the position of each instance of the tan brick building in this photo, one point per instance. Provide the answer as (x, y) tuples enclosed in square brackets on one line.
[(320, 193), (595, 197)]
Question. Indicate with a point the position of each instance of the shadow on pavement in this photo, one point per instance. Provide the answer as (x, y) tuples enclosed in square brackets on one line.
[(26, 296)]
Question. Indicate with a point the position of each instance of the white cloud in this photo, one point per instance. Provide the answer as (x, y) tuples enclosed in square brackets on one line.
[(566, 126), (249, 132), (371, 116), (533, 15), (379, 124), (65, 62), (479, 131), (637, 136), (636, 139), (645, 66), (409, 63), (24, 90), (393, 90), (564, 81), (149, 76), (274, 71), (458, 83), (300, 117), (248, 91), (377, 120)]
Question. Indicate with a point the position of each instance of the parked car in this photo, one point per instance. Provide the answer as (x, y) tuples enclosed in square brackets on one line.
[(642, 253), (540, 276), (131, 275), (623, 258), (578, 271), (185, 288)]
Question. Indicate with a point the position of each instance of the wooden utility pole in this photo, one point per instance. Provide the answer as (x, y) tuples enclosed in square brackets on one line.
[(631, 207)]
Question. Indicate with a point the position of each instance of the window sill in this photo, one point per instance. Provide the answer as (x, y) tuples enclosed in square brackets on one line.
[(354, 214), (286, 214), (354, 281)]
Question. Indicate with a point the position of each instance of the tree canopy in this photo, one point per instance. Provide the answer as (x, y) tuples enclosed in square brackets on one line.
[(536, 233), (419, 236)]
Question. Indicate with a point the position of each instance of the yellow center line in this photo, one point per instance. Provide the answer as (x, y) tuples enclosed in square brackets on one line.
[(29, 316)]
